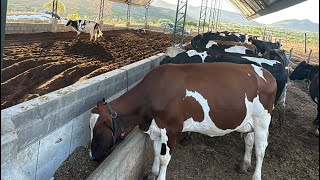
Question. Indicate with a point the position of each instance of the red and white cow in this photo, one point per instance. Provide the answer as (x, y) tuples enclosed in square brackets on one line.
[(172, 99)]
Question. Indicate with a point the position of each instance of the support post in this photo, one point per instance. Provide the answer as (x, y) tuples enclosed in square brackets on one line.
[(203, 14), (305, 42), (181, 10), (128, 14), (146, 20), (290, 55), (101, 10), (4, 4)]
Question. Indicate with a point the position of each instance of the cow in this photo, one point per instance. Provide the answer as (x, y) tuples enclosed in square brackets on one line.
[(226, 46), (276, 54), (311, 73), (170, 100), (86, 26), (274, 67), (262, 46)]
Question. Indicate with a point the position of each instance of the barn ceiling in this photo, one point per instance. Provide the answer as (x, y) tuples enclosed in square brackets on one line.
[(252, 9)]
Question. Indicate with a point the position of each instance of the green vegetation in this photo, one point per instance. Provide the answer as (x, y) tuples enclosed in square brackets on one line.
[(61, 8)]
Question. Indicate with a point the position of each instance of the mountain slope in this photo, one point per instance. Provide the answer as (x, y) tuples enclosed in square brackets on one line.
[(303, 25)]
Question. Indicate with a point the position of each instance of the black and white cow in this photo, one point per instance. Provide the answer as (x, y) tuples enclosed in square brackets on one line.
[(276, 54), (87, 27), (274, 67), (262, 46), (224, 46), (311, 73)]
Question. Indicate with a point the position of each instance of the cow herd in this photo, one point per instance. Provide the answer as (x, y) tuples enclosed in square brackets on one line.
[(221, 83)]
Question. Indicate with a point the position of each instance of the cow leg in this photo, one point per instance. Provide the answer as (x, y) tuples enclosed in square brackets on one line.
[(282, 102), (167, 144), (78, 35), (249, 141), (91, 36), (156, 162), (261, 132)]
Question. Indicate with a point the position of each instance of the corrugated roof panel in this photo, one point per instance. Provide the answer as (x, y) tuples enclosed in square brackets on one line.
[(252, 9)]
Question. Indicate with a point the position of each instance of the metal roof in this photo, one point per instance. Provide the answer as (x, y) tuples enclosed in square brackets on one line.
[(252, 9)]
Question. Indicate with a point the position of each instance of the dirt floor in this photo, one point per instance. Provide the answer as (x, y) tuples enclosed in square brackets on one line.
[(36, 64)]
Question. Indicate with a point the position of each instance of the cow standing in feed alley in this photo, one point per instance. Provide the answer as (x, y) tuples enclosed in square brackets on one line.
[(311, 73), (87, 27), (178, 103), (276, 68)]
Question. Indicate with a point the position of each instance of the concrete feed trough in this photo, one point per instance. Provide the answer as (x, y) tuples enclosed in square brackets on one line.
[(38, 135)]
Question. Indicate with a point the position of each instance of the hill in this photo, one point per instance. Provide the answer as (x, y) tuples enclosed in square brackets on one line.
[(295, 24), (194, 12)]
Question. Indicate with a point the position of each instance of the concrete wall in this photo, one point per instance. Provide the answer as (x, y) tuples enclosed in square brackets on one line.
[(38, 135), (25, 28)]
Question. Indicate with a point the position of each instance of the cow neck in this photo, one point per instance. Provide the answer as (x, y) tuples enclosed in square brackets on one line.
[(129, 107)]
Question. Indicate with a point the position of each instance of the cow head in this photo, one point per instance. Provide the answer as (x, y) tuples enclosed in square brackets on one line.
[(278, 45), (102, 132), (300, 72)]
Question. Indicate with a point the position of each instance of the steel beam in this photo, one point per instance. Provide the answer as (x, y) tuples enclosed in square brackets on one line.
[(4, 4)]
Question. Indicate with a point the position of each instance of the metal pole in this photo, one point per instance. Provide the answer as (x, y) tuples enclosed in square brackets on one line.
[(4, 4), (175, 24), (101, 10), (184, 22), (305, 42), (146, 16), (53, 1)]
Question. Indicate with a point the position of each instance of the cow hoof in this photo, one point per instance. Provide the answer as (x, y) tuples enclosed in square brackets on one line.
[(244, 169)]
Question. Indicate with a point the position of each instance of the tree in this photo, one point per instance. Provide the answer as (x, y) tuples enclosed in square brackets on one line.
[(61, 8)]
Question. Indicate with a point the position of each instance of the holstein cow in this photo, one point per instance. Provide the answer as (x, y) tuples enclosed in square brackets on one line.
[(276, 54), (226, 46), (311, 73), (262, 46), (274, 67), (170, 100), (86, 26)]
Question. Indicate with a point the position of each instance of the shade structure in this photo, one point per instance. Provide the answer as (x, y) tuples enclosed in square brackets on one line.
[(252, 9)]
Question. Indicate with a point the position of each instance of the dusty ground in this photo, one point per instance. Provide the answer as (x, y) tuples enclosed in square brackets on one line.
[(36, 64)]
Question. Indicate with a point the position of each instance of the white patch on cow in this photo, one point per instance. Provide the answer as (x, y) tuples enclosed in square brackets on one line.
[(203, 54), (222, 34), (258, 70), (159, 136), (316, 99), (236, 49), (93, 121), (237, 34), (210, 43), (230, 34), (261, 60), (249, 74), (246, 40), (207, 126)]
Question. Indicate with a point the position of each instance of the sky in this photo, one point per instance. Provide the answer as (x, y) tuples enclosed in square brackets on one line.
[(305, 10)]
